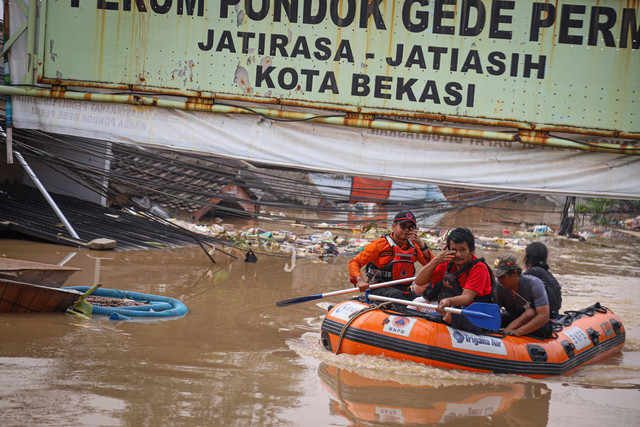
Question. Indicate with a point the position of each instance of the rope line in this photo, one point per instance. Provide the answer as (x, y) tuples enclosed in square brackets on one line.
[(354, 316)]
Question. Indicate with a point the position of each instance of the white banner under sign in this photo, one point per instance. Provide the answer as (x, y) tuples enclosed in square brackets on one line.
[(391, 155)]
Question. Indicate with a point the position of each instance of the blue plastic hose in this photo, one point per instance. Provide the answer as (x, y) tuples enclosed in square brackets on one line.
[(159, 306)]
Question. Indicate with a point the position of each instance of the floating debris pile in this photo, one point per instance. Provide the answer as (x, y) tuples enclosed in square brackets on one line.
[(341, 240), (325, 241)]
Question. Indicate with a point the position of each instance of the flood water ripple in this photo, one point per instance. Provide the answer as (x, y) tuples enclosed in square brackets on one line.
[(236, 359)]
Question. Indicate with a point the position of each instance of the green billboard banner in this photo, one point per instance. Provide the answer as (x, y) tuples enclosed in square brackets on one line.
[(567, 64)]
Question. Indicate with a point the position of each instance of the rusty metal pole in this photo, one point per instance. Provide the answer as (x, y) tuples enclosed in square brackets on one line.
[(46, 195)]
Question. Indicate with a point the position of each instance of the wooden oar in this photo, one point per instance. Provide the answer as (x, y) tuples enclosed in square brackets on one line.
[(344, 291), (481, 314)]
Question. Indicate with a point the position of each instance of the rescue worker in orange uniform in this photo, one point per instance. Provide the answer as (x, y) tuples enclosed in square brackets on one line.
[(391, 257)]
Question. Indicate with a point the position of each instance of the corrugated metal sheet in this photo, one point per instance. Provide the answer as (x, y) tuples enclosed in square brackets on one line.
[(24, 211), (180, 181)]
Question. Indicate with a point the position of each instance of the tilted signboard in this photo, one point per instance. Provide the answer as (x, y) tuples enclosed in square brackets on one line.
[(567, 63)]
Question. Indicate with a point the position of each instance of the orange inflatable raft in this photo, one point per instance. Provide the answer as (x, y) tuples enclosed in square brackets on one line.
[(583, 337)]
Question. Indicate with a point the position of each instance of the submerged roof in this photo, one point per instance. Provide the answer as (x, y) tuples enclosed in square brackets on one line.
[(181, 181), (25, 211)]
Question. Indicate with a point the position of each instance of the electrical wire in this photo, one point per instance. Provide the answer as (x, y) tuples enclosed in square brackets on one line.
[(169, 176)]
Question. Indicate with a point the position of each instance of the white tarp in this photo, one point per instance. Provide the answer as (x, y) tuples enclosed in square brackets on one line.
[(381, 154)]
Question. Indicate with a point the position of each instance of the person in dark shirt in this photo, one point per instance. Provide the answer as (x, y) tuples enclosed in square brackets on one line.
[(524, 299), (535, 259)]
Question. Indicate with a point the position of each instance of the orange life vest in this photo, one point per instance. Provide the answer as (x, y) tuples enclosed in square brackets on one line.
[(401, 266)]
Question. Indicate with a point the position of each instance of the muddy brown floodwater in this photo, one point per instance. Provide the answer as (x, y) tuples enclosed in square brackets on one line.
[(236, 359)]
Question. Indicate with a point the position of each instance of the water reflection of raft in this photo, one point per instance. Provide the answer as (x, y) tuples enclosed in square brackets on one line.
[(583, 337), (154, 306), (364, 400)]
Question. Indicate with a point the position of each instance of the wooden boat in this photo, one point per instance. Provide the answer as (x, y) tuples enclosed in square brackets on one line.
[(20, 297), (35, 272), (583, 337)]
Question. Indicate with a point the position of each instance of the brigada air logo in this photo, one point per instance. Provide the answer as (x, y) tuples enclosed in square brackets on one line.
[(344, 311), (479, 343)]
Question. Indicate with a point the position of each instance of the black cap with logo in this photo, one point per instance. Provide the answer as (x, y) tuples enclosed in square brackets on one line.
[(405, 216)]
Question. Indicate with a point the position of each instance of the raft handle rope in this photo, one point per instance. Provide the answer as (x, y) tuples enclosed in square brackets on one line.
[(571, 315), (354, 316)]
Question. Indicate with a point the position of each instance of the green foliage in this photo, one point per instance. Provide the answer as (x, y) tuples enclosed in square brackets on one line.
[(82, 308), (581, 208), (371, 226), (608, 211)]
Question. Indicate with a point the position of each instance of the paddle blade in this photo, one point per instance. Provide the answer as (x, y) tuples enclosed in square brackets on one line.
[(298, 300), (484, 315)]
